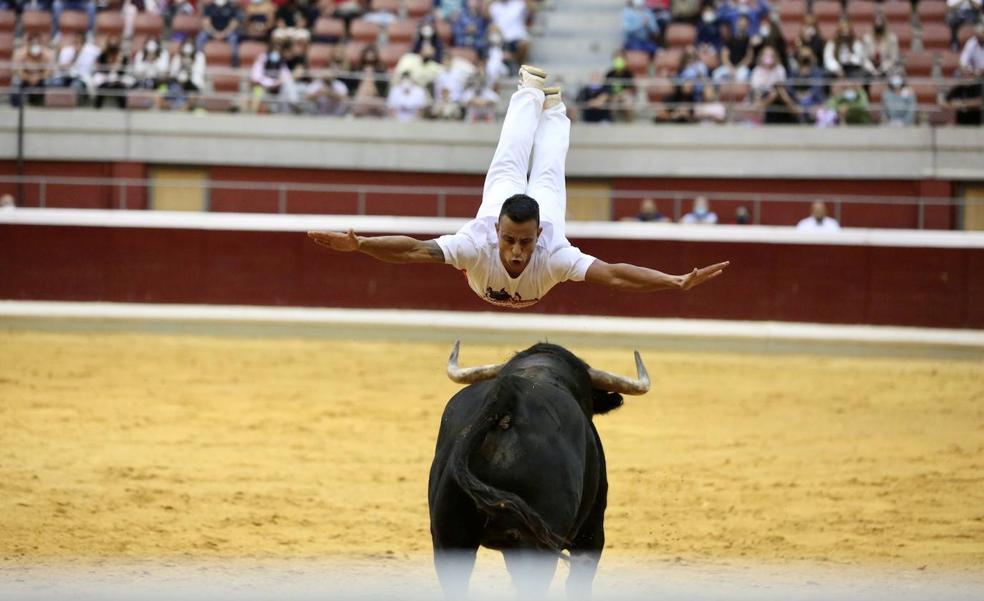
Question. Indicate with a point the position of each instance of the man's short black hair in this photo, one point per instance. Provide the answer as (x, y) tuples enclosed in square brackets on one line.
[(521, 208)]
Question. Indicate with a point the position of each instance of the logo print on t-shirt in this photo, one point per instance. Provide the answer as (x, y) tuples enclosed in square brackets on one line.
[(503, 299)]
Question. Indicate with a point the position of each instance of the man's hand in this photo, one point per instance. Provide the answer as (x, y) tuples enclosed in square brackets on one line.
[(347, 242), (699, 276)]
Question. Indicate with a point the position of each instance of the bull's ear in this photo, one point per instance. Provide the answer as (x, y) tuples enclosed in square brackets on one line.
[(603, 402)]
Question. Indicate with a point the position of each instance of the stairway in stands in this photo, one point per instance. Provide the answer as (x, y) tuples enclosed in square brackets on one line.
[(574, 37)]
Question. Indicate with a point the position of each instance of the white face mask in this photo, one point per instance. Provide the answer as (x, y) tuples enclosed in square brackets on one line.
[(151, 47), (638, 3), (187, 50), (764, 31), (220, 2), (426, 31), (895, 81), (35, 49), (850, 95), (708, 16)]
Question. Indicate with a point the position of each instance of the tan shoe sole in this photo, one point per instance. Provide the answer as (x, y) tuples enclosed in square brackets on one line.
[(551, 97), (534, 71)]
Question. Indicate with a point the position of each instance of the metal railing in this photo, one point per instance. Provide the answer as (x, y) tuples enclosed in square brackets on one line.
[(285, 197)]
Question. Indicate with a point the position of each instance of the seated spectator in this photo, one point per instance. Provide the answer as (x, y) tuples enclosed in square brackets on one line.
[(445, 108), (692, 68), (294, 20), (347, 10), (742, 216), (805, 94), (663, 12), (423, 68), (76, 63), (151, 64), (809, 37), (369, 97), (468, 30), (850, 103), (383, 18), (898, 101), (369, 58), (733, 10), (678, 107), (271, 80), (593, 100), (972, 56), (220, 21), (736, 57), (407, 100), (33, 68), (710, 109), (958, 13), (85, 6), (843, 56), (621, 90), (509, 17), (818, 220), (327, 95), (769, 35), (495, 59), (427, 36), (709, 30), (768, 88), (454, 77), (186, 80), (259, 19), (112, 78), (966, 98), (449, 10), (881, 49), (639, 28), (7, 202), (649, 212), (701, 213), (480, 99)]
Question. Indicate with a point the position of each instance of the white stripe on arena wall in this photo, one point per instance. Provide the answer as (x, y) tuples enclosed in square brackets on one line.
[(761, 234), (460, 321)]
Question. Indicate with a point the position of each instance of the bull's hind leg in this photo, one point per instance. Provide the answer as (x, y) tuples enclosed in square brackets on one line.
[(454, 568), (531, 571), (586, 547), (455, 532)]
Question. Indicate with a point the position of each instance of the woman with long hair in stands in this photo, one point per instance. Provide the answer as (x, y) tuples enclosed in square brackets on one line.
[(843, 56), (112, 78)]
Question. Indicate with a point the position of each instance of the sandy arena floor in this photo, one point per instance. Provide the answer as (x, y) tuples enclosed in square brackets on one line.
[(134, 447)]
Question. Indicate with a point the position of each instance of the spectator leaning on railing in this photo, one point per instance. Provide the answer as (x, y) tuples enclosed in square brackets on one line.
[(701, 213), (407, 100), (273, 84), (622, 90), (151, 64), (327, 95), (112, 77), (186, 77), (818, 219), (480, 100), (678, 107), (898, 101), (32, 66), (710, 109), (972, 55), (593, 100), (75, 65), (966, 98), (850, 103), (767, 88), (805, 94), (881, 49)]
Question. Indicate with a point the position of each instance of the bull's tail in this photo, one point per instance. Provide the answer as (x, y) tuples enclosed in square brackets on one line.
[(496, 413)]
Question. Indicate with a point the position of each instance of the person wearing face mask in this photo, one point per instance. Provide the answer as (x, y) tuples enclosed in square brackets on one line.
[(407, 100), (972, 55), (622, 89), (754, 10), (150, 65), (327, 95), (810, 38), (427, 36), (767, 78), (881, 49), (468, 30), (186, 77), (271, 78), (75, 64), (804, 95), (112, 78), (221, 21), (259, 17), (701, 213), (422, 67), (850, 103), (843, 55), (959, 13), (509, 17), (769, 35), (639, 28), (33, 64), (708, 30), (898, 101)]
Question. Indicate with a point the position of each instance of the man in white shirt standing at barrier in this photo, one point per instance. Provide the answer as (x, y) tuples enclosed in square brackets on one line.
[(818, 221), (516, 249)]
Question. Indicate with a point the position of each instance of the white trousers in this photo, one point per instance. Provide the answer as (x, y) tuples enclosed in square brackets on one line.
[(547, 133)]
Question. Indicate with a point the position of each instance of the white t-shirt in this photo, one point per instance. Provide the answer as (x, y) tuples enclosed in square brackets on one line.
[(510, 17), (406, 102), (475, 251), (828, 224)]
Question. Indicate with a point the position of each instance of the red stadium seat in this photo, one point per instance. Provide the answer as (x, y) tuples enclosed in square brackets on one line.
[(828, 29), (917, 64), (148, 24), (637, 61), (443, 31), (391, 54), (73, 21), (8, 20), (140, 100), (469, 54), (385, 6), (402, 31), (328, 30), (109, 23), (792, 11), (926, 91), (353, 54), (827, 11), (228, 83), (6, 46), (364, 31), (897, 12), (876, 91), (733, 92), (217, 53), (218, 104), (36, 21), (931, 11), (185, 26), (667, 61), (790, 31), (680, 35), (861, 11), (249, 50), (5, 76), (949, 63), (62, 98), (903, 31), (657, 88), (417, 9), (319, 56), (935, 36)]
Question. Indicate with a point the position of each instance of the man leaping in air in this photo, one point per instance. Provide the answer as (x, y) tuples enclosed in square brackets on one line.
[(516, 249)]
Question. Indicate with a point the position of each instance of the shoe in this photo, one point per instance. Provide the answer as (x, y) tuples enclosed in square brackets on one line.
[(551, 98), (531, 77)]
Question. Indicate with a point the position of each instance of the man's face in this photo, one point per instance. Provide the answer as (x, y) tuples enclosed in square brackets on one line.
[(516, 243)]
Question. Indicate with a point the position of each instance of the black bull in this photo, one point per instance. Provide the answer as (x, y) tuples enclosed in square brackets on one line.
[(519, 467)]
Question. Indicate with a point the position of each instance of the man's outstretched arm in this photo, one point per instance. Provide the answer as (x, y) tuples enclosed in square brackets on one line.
[(391, 249), (624, 276)]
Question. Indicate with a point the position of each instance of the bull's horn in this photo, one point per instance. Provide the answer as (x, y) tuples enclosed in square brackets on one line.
[(603, 380), (469, 375)]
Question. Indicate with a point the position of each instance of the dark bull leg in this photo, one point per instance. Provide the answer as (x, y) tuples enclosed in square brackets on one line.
[(531, 571), (454, 569)]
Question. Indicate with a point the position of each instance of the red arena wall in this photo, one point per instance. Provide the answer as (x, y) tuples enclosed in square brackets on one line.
[(827, 283)]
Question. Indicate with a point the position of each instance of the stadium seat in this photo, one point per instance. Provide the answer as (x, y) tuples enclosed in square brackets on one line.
[(827, 11), (63, 98), (364, 31), (940, 116), (903, 31), (225, 82), (469, 54), (637, 61), (897, 12), (391, 54), (353, 54), (6, 46), (73, 21), (109, 23), (443, 31), (964, 33), (930, 11), (387, 6), (657, 88), (319, 55), (147, 24), (217, 53), (328, 30), (875, 91), (792, 11), (402, 31), (680, 35), (935, 36), (5, 76), (667, 61), (217, 104), (917, 64), (790, 31), (8, 20), (926, 91), (732, 92), (36, 21), (417, 9), (828, 29), (709, 57), (140, 100), (249, 50), (185, 26), (861, 11)]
